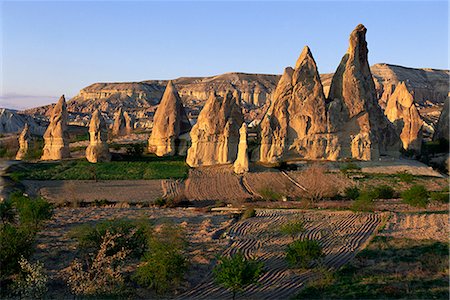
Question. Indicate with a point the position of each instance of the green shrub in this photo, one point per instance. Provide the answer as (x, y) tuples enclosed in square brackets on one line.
[(351, 192), (160, 202), (164, 264), (35, 149), (132, 236), (416, 196), (364, 202), (7, 213), (135, 150), (405, 177), (350, 167), (442, 197), (383, 192), (293, 228), (248, 213), (269, 195), (31, 212), (301, 253), (236, 272), (32, 281)]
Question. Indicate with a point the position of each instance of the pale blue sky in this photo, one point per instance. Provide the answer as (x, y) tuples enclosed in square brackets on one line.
[(51, 48)]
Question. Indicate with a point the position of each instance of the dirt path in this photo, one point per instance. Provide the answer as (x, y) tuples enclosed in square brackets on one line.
[(340, 233)]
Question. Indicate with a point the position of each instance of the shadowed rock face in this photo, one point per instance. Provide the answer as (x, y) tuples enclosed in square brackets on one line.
[(24, 138), (56, 137), (123, 123), (241, 164), (215, 136), (169, 123), (98, 150), (442, 131), (295, 125), (354, 113), (402, 112)]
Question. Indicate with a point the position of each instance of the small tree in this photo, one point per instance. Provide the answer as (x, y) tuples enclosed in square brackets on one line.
[(236, 272), (416, 196), (293, 228), (302, 253)]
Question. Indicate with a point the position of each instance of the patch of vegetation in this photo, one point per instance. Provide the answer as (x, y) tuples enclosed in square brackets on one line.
[(390, 268), (383, 192), (442, 197), (269, 194), (416, 196), (405, 177), (349, 167), (236, 272), (301, 253), (293, 228), (135, 150), (248, 213), (117, 170), (131, 235), (364, 202), (164, 264), (35, 148), (351, 193)]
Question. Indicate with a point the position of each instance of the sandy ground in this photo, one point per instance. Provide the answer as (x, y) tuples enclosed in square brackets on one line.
[(428, 226), (56, 249)]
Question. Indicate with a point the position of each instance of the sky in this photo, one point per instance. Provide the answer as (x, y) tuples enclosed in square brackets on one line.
[(59, 47)]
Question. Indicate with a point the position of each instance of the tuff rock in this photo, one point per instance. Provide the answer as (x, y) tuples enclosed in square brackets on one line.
[(98, 150), (241, 163)]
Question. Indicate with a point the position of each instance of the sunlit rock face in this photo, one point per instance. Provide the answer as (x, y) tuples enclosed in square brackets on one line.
[(241, 163), (354, 114), (56, 137), (24, 141), (215, 136), (98, 150), (295, 126), (441, 131), (170, 122), (402, 112), (123, 123)]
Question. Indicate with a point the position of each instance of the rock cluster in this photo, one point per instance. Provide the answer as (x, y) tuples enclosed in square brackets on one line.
[(441, 131), (169, 125), (98, 150), (241, 163), (295, 125), (215, 136), (123, 123), (402, 112), (354, 114), (24, 141), (56, 137)]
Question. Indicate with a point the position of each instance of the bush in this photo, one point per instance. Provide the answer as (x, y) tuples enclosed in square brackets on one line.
[(269, 195), (416, 196), (351, 193), (32, 281), (248, 213), (383, 192), (441, 197), (32, 212), (160, 202), (129, 235), (293, 228), (301, 253), (100, 276), (405, 177), (135, 150), (7, 213), (236, 272), (349, 167), (164, 264), (364, 202)]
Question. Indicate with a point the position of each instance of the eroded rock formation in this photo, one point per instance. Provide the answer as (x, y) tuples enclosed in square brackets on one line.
[(241, 164), (441, 131), (215, 136), (169, 123), (295, 126), (56, 137), (354, 113), (123, 123), (24, 140), (98, 150), (402, 112)]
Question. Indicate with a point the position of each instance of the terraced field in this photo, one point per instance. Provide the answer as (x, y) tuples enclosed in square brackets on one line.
[(341, 234)]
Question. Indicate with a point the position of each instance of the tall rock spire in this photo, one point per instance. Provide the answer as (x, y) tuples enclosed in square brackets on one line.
[(98, 150), (24, 141), (56, 137), (169, 123)]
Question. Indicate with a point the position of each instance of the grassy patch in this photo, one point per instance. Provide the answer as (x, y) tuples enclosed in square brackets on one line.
[(390, 268), (269, 194), (150, 168)]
